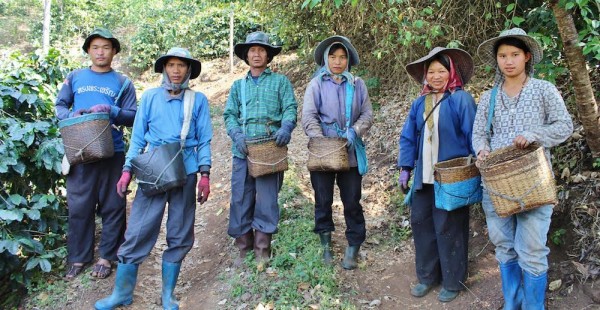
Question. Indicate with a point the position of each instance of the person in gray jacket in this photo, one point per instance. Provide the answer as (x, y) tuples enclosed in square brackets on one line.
[(337, 104)]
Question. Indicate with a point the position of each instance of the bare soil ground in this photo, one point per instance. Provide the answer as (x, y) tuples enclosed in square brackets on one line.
[(386, 272)]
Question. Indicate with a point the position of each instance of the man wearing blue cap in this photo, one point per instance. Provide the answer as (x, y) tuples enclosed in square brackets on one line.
[(90, 186), (269, 107)]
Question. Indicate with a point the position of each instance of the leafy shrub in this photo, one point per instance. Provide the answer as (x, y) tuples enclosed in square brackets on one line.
[(32, 213)]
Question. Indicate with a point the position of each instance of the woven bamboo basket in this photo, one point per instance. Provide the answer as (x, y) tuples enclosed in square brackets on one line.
[(518, 180), (457, 183), (265, 157), (87, 138), (327, 154)]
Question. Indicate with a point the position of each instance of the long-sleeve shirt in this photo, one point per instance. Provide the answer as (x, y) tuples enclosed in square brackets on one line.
[(325, 105), (454, 126), (538, 114), (84, 88), (269, 102), (159, 120)]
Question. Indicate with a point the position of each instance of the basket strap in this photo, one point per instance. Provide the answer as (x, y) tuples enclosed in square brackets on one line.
[(515, 199), (80, 150), (488, 125), (188, 105), (266, 164)]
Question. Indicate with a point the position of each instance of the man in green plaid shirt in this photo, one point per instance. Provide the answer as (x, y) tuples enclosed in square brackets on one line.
[(262, 104)]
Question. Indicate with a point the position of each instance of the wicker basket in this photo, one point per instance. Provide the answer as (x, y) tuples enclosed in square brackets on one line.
[(265, 157), (518, 180), (87, 138), (327, 154), (457, 183)]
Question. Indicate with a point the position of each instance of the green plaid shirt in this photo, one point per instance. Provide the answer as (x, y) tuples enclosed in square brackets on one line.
[(268, 102)]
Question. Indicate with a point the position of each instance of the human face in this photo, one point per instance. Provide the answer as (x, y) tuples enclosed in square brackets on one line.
[(101, 53), (176, 70), (512, 60), (437, 76), (338, 61), (257, 57)]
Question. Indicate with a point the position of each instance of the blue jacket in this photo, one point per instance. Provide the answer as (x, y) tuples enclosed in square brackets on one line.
[(158, 121), (457, 114)]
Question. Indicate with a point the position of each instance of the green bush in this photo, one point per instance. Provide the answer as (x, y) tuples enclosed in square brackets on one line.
[(32, 213)]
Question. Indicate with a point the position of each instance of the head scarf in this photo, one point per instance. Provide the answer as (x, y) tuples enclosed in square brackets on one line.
[(454, 80), (325, 71), (168, 85)]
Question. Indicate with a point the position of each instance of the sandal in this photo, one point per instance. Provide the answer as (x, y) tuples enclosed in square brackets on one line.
[(101, 272), (74, 271)]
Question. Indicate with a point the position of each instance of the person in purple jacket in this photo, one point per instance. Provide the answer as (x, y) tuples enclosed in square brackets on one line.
[(438, 128), (337, 104), (90, 187)]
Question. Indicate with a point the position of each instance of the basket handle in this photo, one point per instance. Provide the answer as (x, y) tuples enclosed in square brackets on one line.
[(326, 154)]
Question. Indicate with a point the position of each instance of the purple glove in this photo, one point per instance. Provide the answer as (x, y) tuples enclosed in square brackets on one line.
[(403, 179), (99, 108)]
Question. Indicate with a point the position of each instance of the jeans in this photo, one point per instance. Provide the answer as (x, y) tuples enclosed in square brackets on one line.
[(520, 237)]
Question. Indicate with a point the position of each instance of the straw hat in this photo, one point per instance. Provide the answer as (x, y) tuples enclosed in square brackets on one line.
[(183, 54), (323, 45), (463, 63), (256, 38), (486, 49)]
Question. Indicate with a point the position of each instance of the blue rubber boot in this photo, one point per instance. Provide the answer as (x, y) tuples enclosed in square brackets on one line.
[(170, 273), (512, 289), (122, 294), (535, 291)]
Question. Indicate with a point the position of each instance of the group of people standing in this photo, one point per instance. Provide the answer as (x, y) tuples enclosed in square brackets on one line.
[(444, 123)]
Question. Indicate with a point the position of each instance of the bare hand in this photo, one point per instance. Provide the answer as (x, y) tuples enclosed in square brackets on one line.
[(481, 157), (521, 142)]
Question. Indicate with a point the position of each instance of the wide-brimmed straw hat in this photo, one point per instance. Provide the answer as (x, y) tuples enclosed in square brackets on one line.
[(101, 33), (183, 54), (463, 64), (256, 38), (486, 53), (323, 45)]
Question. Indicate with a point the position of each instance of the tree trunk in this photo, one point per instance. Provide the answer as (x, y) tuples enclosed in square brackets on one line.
[(46, 27), (584, 94)]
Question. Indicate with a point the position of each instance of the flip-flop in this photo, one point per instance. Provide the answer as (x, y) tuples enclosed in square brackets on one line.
[(73, 271), (100, 271)]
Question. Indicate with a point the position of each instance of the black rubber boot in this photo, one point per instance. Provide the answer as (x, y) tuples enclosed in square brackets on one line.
[(351, 257), (327, 250)]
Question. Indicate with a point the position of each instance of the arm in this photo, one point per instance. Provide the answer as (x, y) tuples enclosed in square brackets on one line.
[(232, 111), (408, 140), (64, 100), (123, 112), (558, 125), (478, 138), (140, 128), (467, 111), (289, 107), (310, 114), (365, 118), (203, 134)]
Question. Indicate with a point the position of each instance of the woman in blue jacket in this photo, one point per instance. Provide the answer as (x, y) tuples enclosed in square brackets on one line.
[(438, 128)]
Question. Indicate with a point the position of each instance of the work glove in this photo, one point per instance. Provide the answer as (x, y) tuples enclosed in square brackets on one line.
[(239, 139), (203, 189), (350, 136), (123, 183), (403, 180), (284, 134), (81, 112), (99, 108)]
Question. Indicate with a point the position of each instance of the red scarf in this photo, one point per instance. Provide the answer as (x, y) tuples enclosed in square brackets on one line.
[(454, 80)]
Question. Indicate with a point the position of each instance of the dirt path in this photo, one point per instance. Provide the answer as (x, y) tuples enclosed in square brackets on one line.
[(386, 272)]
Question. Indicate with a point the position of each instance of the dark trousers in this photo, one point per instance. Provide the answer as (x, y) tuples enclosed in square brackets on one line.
[(146, 218), (91, 190), (441, 241), (253, 200), (349, 183)]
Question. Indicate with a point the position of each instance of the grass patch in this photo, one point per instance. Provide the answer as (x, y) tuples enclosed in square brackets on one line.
[(296, 278)]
